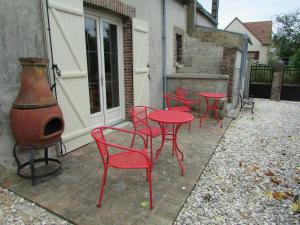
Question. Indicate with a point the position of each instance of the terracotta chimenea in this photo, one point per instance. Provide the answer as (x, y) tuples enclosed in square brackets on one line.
[(36, 118)]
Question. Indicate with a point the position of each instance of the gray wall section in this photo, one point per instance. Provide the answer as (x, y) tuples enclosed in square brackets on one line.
[(21, 36)]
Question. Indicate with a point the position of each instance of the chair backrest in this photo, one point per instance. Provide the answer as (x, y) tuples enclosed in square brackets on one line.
[(139, 117), (181, 93), (99, 138), (167, 100)]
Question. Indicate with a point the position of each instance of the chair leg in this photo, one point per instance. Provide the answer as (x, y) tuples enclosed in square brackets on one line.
[(147, 174), (132, 142), (150, 188), (102, 186), (151, 151), (190, 126)]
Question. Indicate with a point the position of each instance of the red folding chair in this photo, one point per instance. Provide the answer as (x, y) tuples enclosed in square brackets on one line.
[(183, 93), (175, 103), (125, 158), (142, 126)]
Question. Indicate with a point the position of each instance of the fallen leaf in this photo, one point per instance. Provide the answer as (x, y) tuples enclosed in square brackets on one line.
[(219, 219), (291, 137), (252, 168), (276, 180), (279, 195), (289, 193), (144, 204), (269, 194), (298, 169), (295, 207), (269, 173)]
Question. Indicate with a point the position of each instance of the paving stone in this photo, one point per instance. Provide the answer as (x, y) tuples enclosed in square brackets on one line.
[(74, 193)]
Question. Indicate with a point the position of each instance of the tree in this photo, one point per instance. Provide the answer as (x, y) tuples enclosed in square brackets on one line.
[(287, 33)]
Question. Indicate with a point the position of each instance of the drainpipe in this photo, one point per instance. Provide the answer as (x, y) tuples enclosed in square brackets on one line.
[(244, 66), (164, 49)]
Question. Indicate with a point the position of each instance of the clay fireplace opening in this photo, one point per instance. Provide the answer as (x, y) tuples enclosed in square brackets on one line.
[(53, 126)]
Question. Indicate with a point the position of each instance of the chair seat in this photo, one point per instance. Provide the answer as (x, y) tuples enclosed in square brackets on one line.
[(156, 131), (129, 160), (180, 108)]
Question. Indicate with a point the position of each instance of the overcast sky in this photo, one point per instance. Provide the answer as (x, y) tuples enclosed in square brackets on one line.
[(250, 10)]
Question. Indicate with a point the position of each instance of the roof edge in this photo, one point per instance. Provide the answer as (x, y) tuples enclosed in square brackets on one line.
[(205, 13)]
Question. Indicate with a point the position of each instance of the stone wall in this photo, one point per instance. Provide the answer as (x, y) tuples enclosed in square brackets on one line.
[(220, 37), (22, 35), (198, 83)]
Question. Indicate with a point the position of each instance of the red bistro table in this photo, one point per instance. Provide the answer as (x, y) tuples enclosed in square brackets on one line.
[(176, 118), (214, 106)]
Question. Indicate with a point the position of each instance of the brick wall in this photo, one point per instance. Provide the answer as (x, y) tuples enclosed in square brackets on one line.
[(128, 64), (113, 5), (277, 81), (229, 55)]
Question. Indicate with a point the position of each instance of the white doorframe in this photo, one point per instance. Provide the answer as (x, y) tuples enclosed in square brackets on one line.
[(117, 114)]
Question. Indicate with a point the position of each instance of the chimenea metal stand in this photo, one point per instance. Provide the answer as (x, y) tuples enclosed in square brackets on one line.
[(32, 161)]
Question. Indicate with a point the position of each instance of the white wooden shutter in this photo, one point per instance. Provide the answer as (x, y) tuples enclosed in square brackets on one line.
[(140, 36), (68, 43)]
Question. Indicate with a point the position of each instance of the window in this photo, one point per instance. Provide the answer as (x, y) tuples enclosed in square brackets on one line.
[(178, 48), (254, 55)]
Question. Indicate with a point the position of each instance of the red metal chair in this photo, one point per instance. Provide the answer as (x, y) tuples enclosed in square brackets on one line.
[(142, 125), (183, 93), (173, 102), (126, 158)]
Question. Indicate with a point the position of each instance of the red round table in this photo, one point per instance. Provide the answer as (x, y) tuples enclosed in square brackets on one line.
[(176, 118), (214, 106)]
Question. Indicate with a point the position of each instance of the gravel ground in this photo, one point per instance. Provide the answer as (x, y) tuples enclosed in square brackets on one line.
[(15, 210), (254, 175)]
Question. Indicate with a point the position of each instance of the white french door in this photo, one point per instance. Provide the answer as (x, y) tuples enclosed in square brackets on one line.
[(105, 69)]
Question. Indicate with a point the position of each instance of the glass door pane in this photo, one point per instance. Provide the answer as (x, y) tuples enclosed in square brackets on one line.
[(92, 63), (111, 68)]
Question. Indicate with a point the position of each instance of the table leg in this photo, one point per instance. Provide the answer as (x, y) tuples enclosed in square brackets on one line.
[(175, 149), (216, 107), (163, 137), (205, 115), (178, 153)]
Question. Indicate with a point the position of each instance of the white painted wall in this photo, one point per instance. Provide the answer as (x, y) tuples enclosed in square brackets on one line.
[(176, 16), (203, 21), (236, 26), (152, 13)]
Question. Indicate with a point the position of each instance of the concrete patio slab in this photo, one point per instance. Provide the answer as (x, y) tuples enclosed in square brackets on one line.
[(73, 194)]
